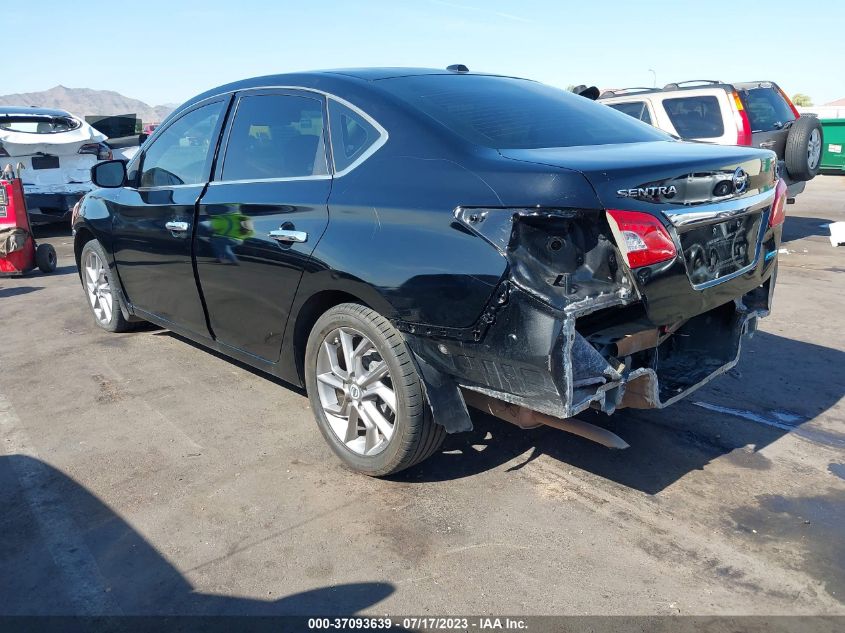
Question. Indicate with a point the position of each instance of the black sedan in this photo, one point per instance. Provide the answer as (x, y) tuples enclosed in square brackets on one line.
[(404, 242)]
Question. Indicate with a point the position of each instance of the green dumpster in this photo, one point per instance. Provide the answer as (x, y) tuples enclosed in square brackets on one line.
[(833, 150)]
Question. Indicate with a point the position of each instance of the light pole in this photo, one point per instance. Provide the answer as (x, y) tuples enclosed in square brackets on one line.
[(655, 76)]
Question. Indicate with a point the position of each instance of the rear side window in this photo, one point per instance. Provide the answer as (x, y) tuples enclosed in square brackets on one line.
[(766, 108), (352, 135), (695, 117), (508, 113), (276, 136), (179, 155), (636, 109)]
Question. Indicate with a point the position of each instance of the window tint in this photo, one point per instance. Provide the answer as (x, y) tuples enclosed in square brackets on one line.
[(178, 156), (276, 136), (352, 135), (695, 117), (767, 110), (506, 113), (636, 109)]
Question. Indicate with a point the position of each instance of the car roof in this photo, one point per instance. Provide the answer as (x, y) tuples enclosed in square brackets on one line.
[(698, 84), (326, 80), (32, 110), (376, 74)]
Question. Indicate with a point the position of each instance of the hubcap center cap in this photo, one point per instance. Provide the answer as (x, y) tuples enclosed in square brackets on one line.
[(355, 392)]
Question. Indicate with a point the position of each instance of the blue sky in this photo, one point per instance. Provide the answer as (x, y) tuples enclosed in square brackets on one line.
[(168, 51)]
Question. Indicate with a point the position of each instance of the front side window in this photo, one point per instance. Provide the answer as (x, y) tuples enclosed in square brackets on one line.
[(180, 154), (695, 117), (507, 113), (636, 109), (352, 135), (276, 136)]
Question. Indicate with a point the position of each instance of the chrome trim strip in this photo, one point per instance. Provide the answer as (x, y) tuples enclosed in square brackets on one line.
[(384, 136), (719, 211), (280, 179)]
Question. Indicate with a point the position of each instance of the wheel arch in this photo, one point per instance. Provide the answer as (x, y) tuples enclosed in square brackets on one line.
[(82, 236), (312, 309)]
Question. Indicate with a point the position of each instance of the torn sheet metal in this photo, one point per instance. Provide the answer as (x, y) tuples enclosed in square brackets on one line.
[(535, 357)]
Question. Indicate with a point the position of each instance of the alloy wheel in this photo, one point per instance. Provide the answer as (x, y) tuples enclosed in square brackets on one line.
[(356, 391), (814, 149), (98, 288)]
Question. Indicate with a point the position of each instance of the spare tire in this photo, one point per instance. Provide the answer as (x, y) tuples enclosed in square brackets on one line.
[(804, 148)]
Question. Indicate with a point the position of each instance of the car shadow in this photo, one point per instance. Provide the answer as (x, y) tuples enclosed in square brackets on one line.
[(157, 331), (773, 376), (796, 228), (65, 552), (667, 444), (18, 290)]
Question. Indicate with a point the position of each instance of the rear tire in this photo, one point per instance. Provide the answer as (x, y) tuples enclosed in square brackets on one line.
[(45, 257), (100, 288), (371, 434), (804, 148)]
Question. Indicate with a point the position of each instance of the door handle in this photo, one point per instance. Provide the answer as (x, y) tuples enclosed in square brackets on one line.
[(176, 227), (281, 235)]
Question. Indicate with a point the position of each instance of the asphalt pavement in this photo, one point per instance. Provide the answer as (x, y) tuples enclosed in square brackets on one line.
[(142, 474)]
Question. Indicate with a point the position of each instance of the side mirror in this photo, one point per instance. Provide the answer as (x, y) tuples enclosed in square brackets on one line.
[(109, 174)]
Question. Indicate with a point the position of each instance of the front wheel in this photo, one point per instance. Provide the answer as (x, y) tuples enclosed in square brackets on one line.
[(102, 293), (366, 394)]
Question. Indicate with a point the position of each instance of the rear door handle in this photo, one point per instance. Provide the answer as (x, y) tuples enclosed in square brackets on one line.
[(281, 235), (176, 227)]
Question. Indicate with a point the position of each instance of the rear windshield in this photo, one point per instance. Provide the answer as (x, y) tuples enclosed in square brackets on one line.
[(766, 108), (35, 124), (506, 113), (695, 117)]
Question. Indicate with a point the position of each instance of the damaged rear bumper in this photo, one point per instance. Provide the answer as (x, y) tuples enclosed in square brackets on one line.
[(53, 204), (553, 361)]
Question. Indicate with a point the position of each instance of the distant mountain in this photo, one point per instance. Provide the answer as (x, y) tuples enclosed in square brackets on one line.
[(84, 102)]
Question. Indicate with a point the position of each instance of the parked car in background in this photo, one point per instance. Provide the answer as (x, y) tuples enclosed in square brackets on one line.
[(149, 128), (757, 113), (57, 151), (407, 242)]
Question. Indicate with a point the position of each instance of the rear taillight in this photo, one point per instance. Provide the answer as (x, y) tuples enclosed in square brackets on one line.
[(789, 102), (641, 237), (778, 214), (743, 125), (101, 150)]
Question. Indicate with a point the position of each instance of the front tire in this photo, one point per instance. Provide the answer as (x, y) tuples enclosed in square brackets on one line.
[(100, 288), (366, 394)]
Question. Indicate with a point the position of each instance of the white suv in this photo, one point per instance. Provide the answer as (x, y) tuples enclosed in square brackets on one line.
[(752, 113)]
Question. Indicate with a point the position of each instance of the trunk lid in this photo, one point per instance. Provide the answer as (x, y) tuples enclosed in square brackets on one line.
[(713, 200)]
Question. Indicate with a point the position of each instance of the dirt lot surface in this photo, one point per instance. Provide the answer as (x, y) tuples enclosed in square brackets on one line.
[(140, 474)]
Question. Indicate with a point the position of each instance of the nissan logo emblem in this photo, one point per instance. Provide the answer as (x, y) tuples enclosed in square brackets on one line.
[(740, 180)]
